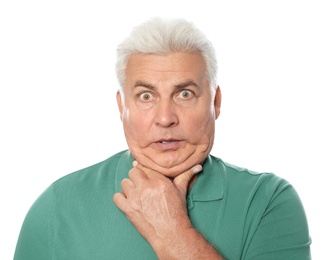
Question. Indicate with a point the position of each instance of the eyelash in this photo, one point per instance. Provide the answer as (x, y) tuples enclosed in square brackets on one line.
[(140, 96), (186, 91), (151, 96)]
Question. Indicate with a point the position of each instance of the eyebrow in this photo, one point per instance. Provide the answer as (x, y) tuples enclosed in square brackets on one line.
[(182, 85), (186, 84), (140, 83)]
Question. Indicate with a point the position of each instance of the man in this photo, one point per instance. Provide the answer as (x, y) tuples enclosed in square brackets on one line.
[(166, 197)]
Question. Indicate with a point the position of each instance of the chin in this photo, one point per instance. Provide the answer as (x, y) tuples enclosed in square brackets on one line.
[(174, 168), (171, 163)]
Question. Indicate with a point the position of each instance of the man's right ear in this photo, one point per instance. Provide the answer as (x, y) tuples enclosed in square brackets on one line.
[(120, 104)]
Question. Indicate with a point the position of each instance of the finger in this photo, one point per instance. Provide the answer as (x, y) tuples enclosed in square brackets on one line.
[(127, 186), (182, 180), (137, 176), (120, 200), (135, 163), (148, 172)]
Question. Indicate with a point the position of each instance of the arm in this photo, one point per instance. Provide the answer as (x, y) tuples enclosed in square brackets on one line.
[(282, 232), (36, 235), (156, 206)]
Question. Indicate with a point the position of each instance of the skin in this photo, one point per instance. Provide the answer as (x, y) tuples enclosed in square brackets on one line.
[(168, 112), (168, 98)]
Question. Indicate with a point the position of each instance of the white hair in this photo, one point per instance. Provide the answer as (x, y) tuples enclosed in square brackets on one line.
[(161, 36)]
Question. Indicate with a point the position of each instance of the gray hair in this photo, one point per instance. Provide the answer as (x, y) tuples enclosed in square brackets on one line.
[(161, 36)]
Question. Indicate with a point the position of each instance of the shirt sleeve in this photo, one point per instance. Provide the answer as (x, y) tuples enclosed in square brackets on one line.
[(36, 238), (283, 231)]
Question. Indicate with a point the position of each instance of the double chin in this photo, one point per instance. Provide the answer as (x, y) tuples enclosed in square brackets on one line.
[(172, 162)]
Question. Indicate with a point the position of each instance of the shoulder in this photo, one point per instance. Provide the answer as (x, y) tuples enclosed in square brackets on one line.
[(77, 186), (83, 183), (67, 195), (271, 207), (233, 172), (98, 172), (266, 186)]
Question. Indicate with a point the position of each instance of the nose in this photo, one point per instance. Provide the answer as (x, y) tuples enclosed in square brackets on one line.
[(166, 114)]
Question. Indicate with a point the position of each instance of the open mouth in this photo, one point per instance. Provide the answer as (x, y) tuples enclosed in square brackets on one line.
[(167, 141), (168, 144)]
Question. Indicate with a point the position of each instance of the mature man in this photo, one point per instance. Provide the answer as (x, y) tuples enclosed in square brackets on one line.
[(166, 197)]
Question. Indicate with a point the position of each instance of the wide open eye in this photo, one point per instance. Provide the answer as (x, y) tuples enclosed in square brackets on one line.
[(185, 94), (146, 96)]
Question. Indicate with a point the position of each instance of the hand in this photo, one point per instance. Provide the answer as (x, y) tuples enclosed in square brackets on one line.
[(155, 204)]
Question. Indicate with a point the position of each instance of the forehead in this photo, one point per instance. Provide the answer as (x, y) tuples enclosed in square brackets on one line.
[(165, 68)]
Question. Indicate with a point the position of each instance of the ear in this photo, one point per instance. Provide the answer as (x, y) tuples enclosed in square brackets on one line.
[(120, 104), (217, 102)]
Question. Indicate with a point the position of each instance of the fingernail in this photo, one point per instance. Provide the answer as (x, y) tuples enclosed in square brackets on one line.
[(197, 168), (135, 163)]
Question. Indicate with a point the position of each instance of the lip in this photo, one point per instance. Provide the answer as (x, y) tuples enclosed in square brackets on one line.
[(167, 144)]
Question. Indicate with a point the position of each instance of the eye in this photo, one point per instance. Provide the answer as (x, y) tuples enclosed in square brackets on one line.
[(146, 96), (185, 94)]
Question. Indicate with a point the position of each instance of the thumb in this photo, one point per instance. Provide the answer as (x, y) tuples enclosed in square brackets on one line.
[(182, 180)]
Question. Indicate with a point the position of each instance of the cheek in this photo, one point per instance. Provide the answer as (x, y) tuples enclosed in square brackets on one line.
[(201, 131), (204, 134), (135, 125), (202, 123)]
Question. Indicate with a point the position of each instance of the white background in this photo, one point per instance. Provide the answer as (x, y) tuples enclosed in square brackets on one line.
[(57, 97)]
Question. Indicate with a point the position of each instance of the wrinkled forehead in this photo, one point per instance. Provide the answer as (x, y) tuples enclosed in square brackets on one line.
[(172, 68)]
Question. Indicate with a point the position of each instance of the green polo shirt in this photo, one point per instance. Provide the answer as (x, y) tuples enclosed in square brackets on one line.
[(244, 215)]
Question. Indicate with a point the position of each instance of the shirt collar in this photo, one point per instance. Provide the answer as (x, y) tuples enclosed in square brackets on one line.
[(210, 182)]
